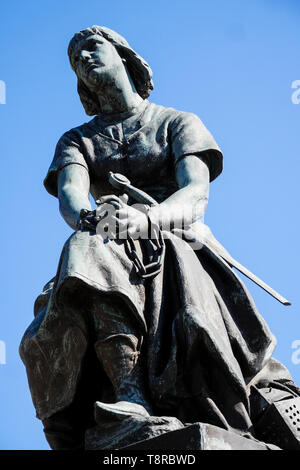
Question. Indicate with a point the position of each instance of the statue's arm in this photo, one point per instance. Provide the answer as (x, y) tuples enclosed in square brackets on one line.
[(73, 193), (189, 202), (184, 207)]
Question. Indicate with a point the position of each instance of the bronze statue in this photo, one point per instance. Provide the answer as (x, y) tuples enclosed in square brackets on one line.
[(113, 343)]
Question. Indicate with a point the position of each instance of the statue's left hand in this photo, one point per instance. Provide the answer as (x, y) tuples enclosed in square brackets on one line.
[(120, 219)]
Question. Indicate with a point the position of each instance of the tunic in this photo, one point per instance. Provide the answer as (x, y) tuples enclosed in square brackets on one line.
[(205, 338)]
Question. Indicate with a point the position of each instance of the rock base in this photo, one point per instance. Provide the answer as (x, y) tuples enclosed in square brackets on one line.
[(200, 436)]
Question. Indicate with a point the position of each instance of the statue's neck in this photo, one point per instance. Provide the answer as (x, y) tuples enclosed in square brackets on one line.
[(118, 95)]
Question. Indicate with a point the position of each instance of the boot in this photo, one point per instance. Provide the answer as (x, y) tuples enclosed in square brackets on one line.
[(120, 357)]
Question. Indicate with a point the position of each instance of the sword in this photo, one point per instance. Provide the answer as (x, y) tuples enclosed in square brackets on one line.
[(122, 183)]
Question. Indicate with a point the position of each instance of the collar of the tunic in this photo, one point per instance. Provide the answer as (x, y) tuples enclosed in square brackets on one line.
[(109, 119), (130, 124)]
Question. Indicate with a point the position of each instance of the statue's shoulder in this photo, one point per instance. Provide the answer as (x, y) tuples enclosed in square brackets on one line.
[(156, 111), (75, 134)]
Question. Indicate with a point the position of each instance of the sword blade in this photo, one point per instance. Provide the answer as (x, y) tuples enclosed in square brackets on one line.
[(235, 264), (119, 181)]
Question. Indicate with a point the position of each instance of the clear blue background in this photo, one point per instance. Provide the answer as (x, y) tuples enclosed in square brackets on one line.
[(232, 63)]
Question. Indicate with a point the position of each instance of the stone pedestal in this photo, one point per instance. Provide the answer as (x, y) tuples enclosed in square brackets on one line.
[(200, 436)]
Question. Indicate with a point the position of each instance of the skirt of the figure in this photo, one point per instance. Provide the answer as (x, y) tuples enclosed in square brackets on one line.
[(204, 338)]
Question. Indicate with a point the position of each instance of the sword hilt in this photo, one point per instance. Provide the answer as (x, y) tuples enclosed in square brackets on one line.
[(122, 183)]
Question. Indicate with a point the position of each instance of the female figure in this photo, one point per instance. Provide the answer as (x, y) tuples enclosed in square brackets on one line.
[(185, 343)]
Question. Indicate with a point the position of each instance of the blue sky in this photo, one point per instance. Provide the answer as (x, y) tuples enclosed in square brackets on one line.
[(233, 64)]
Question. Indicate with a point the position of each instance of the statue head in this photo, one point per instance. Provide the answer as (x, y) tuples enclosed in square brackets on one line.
[(138, 69)]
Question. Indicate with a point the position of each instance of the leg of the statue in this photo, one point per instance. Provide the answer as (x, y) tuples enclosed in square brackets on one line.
[(65, 429), (53, 350), (125, 417), (62, 369), (120, 356), (118, 347)]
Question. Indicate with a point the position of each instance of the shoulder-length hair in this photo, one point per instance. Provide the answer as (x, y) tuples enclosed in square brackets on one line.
[(140, 72)]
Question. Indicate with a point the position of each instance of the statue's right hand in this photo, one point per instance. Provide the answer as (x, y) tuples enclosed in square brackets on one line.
[(88, 220)]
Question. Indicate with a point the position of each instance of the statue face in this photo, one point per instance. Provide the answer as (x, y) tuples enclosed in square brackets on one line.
[(96, 61)]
